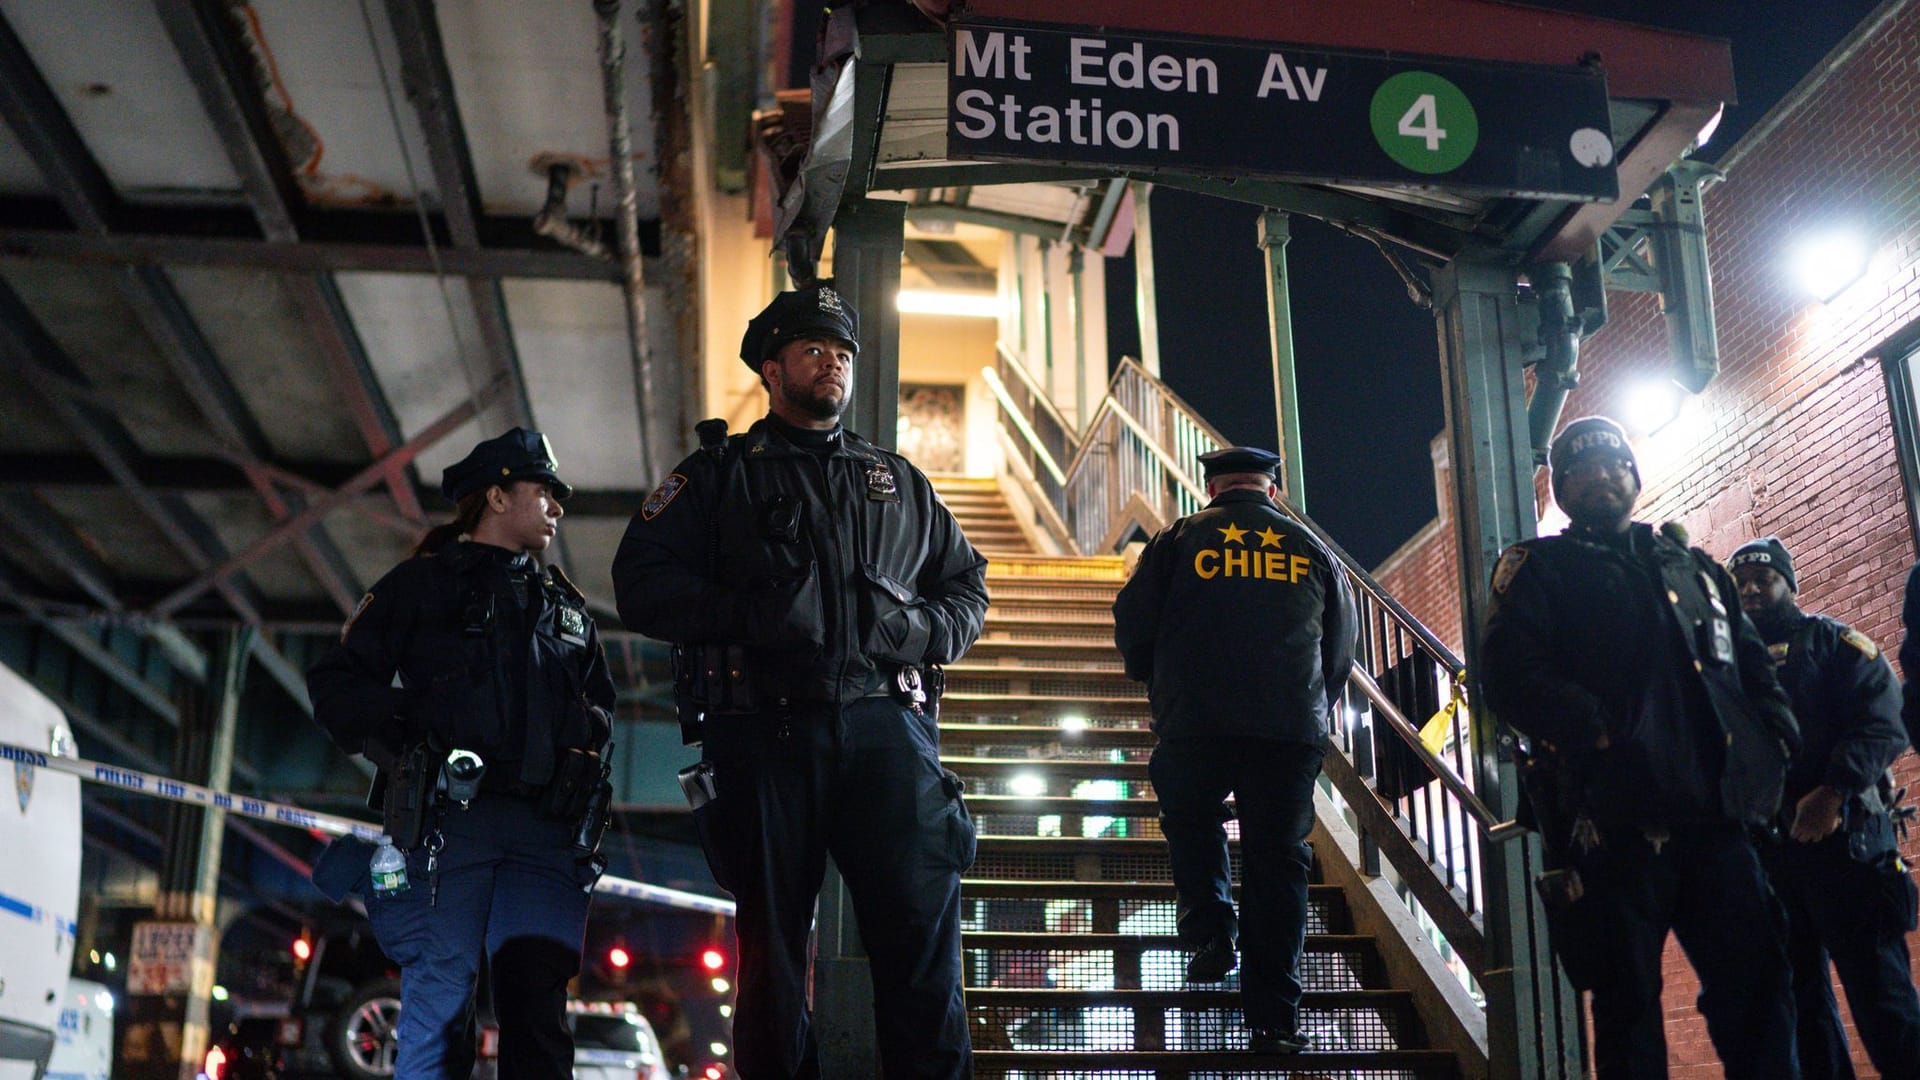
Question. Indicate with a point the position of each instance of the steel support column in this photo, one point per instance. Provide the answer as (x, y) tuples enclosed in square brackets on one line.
[(1533, 1017), (868, 238), (1146, 305), (1274, 235)]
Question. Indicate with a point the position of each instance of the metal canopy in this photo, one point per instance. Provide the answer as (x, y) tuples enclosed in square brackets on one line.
[(265, 269), (887, 112)]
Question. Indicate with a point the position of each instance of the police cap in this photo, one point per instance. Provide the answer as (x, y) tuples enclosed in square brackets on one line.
[(1239, 459), (802, 313), (1587, 437), (1769, 552), (518, 455)]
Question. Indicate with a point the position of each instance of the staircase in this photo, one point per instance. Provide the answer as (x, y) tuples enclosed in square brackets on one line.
[(1071, 963)]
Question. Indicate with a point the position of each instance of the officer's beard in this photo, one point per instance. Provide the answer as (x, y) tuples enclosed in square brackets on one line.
[(808, 401), (1773, 621)]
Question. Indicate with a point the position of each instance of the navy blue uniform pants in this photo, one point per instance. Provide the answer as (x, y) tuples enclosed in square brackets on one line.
[(1704, 885), (511, 890), (864, 783), (1272, 785), (1856, 914)]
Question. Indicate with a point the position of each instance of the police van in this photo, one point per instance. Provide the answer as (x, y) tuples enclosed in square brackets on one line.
[(39, 881)]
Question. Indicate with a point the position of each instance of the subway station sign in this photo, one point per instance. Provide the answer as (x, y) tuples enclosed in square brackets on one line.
[(1086, 96)]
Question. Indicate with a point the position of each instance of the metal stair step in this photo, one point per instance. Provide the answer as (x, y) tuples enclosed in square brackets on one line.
[(1062, 804), (1030, 655), (1351, 1020), (1032, 708), (986, 888), (1134, 943), (1068, 768), (991, 1064), (1047, 734)]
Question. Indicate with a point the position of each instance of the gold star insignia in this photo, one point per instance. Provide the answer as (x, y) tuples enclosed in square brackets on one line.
[(1233, 533), (1269, 538)]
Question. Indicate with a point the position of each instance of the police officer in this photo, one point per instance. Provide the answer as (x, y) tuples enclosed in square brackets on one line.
[(1837, 868), (1657, 735), (811, 579), (1242, 626), (497, 660)]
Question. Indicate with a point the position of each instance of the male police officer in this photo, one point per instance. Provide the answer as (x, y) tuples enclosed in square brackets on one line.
[(812, 578), (1838, 869), (499, 669), (1658, 733), (1242, 626)]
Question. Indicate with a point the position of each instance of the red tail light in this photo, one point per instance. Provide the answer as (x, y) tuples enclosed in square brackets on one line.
[(713, 959), (216, 1064), (619, 957), (302, 950)]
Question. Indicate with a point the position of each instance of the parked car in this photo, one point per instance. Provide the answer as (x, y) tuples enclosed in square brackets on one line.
[(345, 1012)]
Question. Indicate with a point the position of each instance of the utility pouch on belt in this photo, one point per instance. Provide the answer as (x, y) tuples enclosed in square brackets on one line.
[(576, 775), (710, 680), (407, 802)]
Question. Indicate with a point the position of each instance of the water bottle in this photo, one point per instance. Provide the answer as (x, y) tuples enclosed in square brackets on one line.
[(389, 869)]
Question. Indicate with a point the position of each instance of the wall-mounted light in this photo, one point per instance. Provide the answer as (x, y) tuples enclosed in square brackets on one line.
[(964, 305), (1652, 405), (1828, 263)]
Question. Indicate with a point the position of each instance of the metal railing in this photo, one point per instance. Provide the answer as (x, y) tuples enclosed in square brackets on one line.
[(1415, 810)]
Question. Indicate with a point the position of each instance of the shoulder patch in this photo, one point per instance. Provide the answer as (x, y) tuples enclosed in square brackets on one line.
[(1510, 562), (661, 496), (347, 627), (1860, 641)]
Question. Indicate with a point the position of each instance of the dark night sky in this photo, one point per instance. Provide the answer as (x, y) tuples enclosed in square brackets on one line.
[(1366, 359)]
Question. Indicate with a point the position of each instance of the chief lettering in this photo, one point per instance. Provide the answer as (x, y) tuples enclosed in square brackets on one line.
[(661, 496), (1211, 563)]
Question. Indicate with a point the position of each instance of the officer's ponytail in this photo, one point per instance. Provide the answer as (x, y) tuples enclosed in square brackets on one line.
[(466, 518)]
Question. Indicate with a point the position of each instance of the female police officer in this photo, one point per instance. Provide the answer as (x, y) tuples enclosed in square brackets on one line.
[(497, 660)]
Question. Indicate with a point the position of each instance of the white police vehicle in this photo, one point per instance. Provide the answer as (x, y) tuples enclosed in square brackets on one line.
[(39, 878)]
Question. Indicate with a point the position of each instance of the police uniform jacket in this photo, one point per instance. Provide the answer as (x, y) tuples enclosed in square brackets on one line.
[(1847, 702), (1239, 622), (1641, 639), (833, 570), (493, 655)]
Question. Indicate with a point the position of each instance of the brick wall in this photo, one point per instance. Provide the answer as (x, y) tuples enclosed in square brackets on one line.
[(1794, 437)]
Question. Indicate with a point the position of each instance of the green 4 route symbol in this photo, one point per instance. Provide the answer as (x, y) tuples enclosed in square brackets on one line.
[(1424, 122)]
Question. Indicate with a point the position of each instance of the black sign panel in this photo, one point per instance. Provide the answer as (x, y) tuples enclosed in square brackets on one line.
[(1084, 96)]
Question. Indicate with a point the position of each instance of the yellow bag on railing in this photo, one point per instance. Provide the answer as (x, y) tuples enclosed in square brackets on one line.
[(1438, 729)]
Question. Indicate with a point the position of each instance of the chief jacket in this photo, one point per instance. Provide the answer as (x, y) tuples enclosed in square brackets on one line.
[(1239, 622), (833, 570), (1847, 702), (1589, 635), (493, 655)]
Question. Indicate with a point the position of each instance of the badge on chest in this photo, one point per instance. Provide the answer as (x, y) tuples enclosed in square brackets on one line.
[(881, 486), (572, 623)]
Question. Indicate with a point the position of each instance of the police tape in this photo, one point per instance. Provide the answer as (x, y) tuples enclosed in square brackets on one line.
[(278, 813)]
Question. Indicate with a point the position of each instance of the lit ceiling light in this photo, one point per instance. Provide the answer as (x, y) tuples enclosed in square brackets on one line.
[(966, 305), (721, 986), (1073, 725), (219, 992), (719, 1049), (1827, 264), (1652, 405), (1027, 785)]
